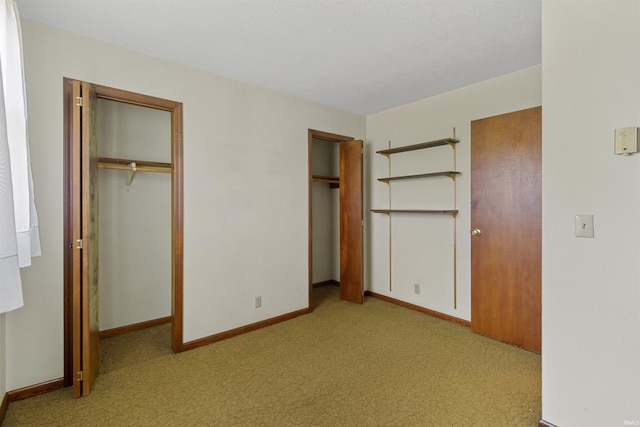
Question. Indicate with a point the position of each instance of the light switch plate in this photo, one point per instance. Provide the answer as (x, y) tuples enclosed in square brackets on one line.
[(584, 226)]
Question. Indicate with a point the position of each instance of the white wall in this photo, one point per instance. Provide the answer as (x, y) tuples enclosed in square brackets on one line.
[(134, 220), (591, 287), (245, 192), (423, 245), (321, 233)]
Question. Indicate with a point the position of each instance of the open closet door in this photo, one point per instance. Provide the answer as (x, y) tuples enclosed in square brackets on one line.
[(351, 217), (86, 347)]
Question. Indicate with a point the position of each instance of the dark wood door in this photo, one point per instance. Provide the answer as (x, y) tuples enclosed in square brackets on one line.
[(506, 218), (86, 343), (351, 216)]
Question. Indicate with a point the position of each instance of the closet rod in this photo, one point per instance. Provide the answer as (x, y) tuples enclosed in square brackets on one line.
[(141, 165)]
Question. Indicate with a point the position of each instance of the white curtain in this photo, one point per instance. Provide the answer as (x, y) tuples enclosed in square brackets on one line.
[(19, 239)]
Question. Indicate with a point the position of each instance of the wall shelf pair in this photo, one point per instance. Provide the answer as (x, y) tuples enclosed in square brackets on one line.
[(448, 173)]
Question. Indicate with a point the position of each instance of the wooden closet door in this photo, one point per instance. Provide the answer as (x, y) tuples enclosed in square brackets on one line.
[(86, 343), (351, 216), (506, 215)]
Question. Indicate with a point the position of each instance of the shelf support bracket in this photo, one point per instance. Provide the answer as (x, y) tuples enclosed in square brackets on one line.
[(132, 173)]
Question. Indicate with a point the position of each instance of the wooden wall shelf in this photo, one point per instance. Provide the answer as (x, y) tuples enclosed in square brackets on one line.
[(430, 144), (333, 181), (419, 211), (450, 174)]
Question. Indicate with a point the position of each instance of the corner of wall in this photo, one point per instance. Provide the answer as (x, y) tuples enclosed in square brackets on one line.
[(591, 309)]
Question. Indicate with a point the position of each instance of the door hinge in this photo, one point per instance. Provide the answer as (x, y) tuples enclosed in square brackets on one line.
[(363, 222), (80, 376), (79, 244), (79, 103)]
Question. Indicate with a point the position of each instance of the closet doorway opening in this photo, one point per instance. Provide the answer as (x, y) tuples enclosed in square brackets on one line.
[(335, 214), (123, 177)]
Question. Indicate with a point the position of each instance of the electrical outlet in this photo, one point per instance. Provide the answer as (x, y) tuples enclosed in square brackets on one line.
[(416, 288), (258, 302)]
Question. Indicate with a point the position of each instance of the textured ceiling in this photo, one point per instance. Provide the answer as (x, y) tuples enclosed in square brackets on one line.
[(363, 56)]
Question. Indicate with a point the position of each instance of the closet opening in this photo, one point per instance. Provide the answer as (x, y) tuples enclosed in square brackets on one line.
[(335, 216), (134, 188), (123, 226)]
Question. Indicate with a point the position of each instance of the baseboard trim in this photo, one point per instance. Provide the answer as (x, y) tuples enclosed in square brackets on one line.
[(243, 329), (135, 327), (543, 423), (420, 309), (35, 390), (3, 407), (326, 283)]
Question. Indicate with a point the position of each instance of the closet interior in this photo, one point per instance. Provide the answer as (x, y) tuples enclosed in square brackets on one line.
[(134, 217), (325, 170)]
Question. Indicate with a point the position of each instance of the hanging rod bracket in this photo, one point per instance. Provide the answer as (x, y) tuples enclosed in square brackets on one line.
[(133, 172)]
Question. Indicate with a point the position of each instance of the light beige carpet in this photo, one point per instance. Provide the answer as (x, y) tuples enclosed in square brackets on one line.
[(343, 365)]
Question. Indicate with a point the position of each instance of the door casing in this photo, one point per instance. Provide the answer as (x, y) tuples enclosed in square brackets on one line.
[(175, 109)]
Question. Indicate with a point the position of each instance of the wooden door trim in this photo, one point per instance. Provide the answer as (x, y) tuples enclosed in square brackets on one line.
[(177, 192), (71, 134), (88, 310), (324, 136)]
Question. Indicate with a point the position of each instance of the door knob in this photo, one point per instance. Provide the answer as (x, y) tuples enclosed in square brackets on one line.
[(476, 232)]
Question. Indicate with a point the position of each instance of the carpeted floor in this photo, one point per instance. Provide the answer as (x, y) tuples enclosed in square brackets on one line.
[(343, 365)]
